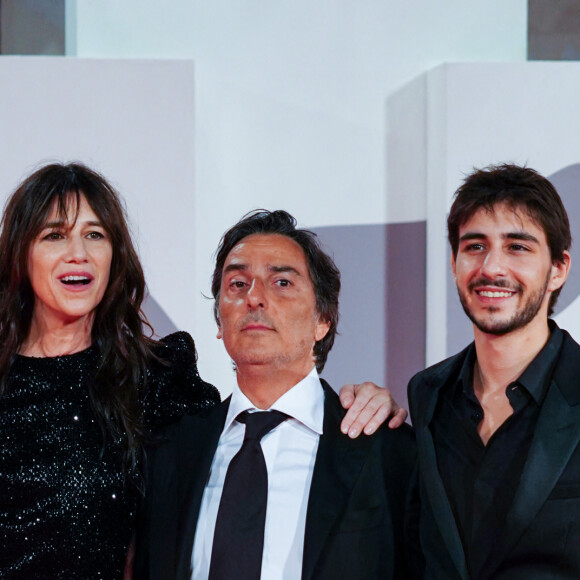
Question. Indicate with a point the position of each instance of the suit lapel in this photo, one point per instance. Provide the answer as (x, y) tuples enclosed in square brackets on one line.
[(556, 436), (433, 484), (339, 461), (198, 440)]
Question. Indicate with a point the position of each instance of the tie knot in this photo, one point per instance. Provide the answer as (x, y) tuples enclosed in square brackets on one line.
[(260, 423)]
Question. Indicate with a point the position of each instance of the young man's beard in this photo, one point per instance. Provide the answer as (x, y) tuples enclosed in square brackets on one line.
[(520, 318)]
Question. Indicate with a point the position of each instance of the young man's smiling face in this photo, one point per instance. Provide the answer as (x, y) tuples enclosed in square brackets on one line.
[(504, 271), (267, 306)]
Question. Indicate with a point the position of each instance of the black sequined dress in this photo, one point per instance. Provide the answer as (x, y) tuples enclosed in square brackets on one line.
[(66, 508)]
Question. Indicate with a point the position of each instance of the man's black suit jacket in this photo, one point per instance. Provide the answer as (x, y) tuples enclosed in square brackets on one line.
[(362, 510), (541, 536)]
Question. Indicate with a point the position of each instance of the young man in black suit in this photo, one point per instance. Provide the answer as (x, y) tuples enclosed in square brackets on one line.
[(498, 425), (323, 506)]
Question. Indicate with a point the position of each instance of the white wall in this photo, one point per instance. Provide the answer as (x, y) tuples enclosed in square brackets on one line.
[(291, 100)]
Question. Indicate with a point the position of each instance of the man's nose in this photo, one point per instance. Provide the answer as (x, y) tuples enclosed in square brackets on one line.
[(256, 296), (494, 264)]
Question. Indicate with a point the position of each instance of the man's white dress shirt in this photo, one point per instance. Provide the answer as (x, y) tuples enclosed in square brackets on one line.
[(290, 452)]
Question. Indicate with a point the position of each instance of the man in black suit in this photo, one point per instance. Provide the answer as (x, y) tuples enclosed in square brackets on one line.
[(334, 507), (498, 425)]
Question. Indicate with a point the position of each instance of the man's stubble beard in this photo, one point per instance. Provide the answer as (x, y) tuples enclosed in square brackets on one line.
[(520, 318)]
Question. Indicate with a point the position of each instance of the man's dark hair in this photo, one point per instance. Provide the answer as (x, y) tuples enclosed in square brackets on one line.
[(323, 272), (520, 188)]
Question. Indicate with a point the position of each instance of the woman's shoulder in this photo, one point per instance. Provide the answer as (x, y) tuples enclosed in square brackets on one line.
[(178, 343), (174, 387)]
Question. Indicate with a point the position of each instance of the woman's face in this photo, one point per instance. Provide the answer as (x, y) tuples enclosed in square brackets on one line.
[(69, 265)]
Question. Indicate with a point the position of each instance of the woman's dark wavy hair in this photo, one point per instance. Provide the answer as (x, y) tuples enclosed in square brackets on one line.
[(521, 188), (118, 325), (323, 272)]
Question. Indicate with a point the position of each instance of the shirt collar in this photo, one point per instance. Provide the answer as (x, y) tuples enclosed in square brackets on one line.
[(466, 372), (535, 378), (303, 402)]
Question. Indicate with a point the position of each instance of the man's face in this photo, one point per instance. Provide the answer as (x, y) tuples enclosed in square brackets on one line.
[(267, 307), (503, 270)]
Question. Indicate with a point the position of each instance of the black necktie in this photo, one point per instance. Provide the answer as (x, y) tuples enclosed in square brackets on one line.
[(238, 541)]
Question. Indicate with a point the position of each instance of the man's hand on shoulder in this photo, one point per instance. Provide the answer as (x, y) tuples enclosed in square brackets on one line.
[(369, 406)]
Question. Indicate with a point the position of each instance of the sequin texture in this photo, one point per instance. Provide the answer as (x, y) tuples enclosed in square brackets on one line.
[(67, 510)]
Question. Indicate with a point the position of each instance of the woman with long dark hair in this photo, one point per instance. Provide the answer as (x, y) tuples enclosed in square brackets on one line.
[(81, 386)]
